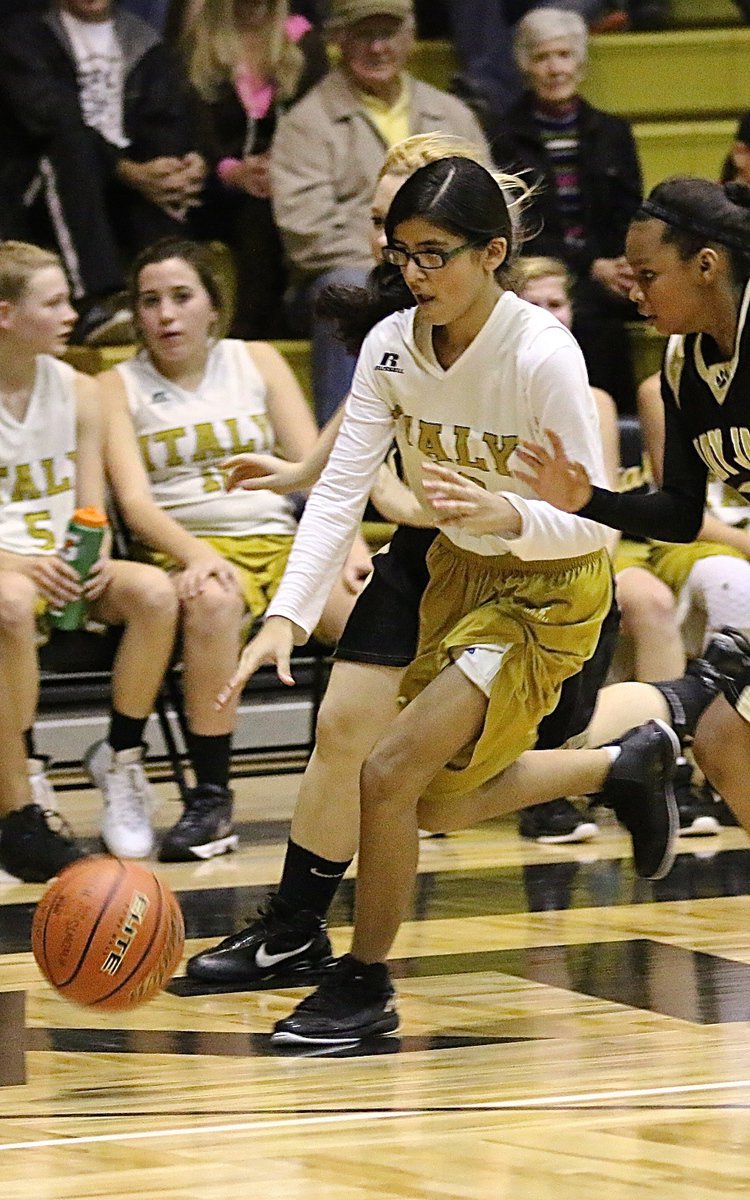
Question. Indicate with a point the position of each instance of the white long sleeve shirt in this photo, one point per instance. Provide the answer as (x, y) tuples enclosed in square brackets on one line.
[(522, 374)]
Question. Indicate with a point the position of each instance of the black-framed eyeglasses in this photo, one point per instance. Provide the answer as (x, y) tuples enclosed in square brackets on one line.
[(426, 260)]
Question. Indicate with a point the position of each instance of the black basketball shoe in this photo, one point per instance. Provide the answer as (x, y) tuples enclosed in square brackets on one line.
[(554, 823), (728, 653), (355, 1000), (36, 844), (205, 828), (639, 787), (279, 944)]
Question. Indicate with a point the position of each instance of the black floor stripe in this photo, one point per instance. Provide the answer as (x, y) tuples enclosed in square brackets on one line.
[(442, 895), (240, 1045), (703, 989)]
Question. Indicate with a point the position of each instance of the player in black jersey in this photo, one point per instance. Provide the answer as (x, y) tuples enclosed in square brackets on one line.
[(689, 246)]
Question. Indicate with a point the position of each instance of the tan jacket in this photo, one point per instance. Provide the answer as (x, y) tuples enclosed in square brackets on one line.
[(325, 160)]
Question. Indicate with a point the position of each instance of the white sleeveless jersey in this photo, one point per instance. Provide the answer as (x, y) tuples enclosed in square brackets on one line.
[(38, 464), (522, 374), (184, 436)]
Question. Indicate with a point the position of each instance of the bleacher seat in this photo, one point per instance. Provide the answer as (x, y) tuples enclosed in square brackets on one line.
[(699, 73)]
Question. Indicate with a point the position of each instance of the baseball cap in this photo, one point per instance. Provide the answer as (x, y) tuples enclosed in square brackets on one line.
[(342, 13)]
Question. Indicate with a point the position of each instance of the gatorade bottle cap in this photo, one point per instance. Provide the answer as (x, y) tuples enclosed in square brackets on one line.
[(93, 517)]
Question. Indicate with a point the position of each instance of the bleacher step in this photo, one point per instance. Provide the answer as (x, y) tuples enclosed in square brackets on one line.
[(675, 73)]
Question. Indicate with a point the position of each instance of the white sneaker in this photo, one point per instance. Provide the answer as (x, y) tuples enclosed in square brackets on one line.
[(42, 791), (128, 799)]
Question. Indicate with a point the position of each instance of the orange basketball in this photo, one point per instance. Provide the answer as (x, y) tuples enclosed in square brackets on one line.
[(107, 933)]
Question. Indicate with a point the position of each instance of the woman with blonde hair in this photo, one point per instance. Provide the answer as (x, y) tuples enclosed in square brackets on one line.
[(247, 60)]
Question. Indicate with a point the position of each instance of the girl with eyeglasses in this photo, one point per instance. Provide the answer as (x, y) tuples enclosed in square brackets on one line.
[(509, 613)]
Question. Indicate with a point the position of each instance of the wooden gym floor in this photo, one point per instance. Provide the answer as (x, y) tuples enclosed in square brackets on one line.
[(568, 1032)]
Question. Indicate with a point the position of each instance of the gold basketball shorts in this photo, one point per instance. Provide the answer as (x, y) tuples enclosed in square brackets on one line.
[(544, 617)]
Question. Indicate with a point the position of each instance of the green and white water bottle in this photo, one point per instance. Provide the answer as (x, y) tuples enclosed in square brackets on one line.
[(83, 542)]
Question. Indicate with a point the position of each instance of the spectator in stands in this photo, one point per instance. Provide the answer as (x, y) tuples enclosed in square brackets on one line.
[(325, 160), (50, 464), (248, 60), (97, 132), (188, 400), (585, 167), (482, 33)]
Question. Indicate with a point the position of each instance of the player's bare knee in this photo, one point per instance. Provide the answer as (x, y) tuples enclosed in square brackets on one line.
[(381, 771), (342, 729), (213, 609), (648, 605), (18, 597), (153, 596)]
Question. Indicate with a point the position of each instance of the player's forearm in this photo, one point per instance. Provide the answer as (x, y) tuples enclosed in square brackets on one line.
[(153, 527), (715, 530)]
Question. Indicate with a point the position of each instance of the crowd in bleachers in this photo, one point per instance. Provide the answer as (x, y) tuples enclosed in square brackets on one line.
[(252, 134)]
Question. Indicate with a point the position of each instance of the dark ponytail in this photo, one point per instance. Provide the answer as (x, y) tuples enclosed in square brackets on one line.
[(738, 193), (354, 311)]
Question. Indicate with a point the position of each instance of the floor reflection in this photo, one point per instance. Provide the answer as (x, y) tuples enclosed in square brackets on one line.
[(538, 887)]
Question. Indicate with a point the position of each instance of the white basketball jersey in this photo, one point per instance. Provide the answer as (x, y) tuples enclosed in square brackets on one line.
[(37, 464), (184, 436)]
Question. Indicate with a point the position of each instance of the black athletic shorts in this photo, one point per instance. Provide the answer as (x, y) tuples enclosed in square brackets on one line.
[(577, 702), (384, 624)]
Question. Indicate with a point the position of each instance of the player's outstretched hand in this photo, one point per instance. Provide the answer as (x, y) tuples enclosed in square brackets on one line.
[(461, 502), (553, 476), (254, 472), (272, 645)]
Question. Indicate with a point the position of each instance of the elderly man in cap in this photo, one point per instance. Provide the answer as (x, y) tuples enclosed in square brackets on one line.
[(325, 160)]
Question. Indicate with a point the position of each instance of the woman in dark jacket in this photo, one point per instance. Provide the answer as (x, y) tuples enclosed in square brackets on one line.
[(247, 61), (584, 166)]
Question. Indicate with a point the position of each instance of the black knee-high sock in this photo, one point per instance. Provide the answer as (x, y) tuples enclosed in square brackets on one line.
[(309, 882), (125, 733), (210, 756)]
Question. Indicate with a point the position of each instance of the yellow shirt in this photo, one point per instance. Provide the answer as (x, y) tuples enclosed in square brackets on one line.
[(390, 120)]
